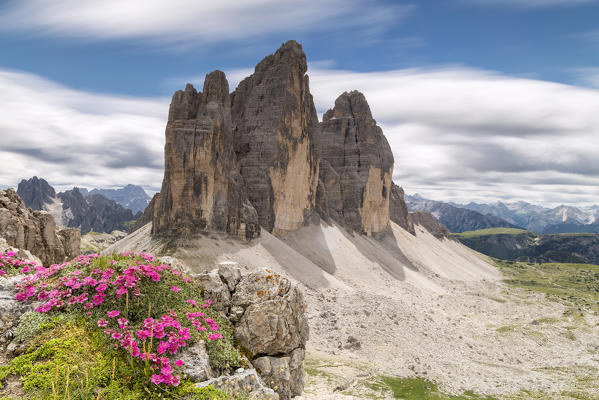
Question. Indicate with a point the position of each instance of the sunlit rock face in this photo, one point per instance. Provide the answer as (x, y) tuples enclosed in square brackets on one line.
[(356, 166), (275, 125), (202, 189)]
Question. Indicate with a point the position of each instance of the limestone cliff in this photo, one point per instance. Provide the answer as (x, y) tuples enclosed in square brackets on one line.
[(356, 166), (275, 124), (202, 189), (35, 231)]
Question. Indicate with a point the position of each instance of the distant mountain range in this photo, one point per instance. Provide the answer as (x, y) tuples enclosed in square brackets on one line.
[(535, 218), (522, 245), (97, 210)]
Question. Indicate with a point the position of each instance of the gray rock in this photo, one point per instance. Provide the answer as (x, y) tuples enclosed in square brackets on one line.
[(215, 289), (246, 382), (230, 273), (274, 321), (356, 167), (35, 231), (202, 189), (36, 192), (196, 363), (10, 310)]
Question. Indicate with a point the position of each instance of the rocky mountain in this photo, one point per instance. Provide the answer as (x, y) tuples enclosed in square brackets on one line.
[(456, 219), (72, 209), (35, 231), (561, 219), (528, 246), (356, 166), (202, 187), (275, 128), (131, 197), (259, 159)]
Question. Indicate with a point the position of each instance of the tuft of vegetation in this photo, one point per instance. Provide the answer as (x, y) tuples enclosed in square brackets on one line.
[(111, 328), (421, 389)]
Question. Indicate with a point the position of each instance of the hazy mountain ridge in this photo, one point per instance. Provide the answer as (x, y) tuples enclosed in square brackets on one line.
[(539, 219), (456, 219), (132, 197), (71, 208)]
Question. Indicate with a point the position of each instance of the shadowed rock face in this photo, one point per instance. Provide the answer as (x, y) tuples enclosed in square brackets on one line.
[(35, 231), (202, 189), (398, 211), (356, 166), (275, 125)]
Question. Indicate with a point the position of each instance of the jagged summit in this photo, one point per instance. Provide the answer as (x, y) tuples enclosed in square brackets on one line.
[(259, 157)]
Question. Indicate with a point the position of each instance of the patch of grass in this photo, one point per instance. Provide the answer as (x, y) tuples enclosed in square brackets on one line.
[(576, 285), (422, 389), (492, 231), (505, 329)]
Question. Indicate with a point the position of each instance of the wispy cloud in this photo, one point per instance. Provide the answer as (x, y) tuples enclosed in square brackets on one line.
[(464, 134), (193, 21), (457, 133), (72, 137)]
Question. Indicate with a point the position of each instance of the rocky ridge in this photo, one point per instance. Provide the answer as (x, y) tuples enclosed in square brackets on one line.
[(35, 231), (74, 209), (260, 158)]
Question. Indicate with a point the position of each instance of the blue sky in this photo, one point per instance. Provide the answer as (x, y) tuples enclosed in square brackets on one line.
[(480, 99)]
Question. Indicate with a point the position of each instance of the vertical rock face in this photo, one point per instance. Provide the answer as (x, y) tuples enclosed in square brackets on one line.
[(398, 211), (356, 166), (35, 231), (202, 188), (275, 124)]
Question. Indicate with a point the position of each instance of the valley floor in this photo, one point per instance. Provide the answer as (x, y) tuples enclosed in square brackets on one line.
[(414, 307)]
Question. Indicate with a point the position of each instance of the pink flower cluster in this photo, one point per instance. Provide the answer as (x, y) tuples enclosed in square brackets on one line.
[(9, 260), (103, 289)]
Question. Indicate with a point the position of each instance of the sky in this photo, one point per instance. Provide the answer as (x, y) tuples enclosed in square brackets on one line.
[(480, 100)]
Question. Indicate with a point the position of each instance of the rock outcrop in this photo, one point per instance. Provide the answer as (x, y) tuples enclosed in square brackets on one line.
[(430, 223), (356, 166), (275, 126), (35, 231), (269, 315), (202, 189), (398, 211), (286, 170)]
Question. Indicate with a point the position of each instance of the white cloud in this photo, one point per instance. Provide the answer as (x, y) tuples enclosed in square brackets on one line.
[(72, 138), (463, 134), (192, 20), (457, 133)]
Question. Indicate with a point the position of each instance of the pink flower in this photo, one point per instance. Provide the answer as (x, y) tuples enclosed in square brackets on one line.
[(192, 302), (175, 289), (102, 323), (123, 321), (178, 363), (112, 314)]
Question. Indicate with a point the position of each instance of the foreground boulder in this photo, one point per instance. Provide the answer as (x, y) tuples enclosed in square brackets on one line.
[(35, 231), (269, 315), (202, 189)]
